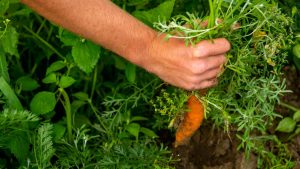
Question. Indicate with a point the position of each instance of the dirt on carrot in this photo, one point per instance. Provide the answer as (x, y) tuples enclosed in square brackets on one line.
[(191, 122)]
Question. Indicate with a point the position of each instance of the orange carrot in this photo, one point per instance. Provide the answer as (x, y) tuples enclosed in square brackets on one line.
[(191, 122)]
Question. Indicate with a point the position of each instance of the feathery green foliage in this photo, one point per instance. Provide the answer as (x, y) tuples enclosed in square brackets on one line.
[(43, 146)]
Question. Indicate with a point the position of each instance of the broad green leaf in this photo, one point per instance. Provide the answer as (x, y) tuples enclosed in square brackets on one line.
[(162, 12), (55, 66), (9, 41), (286, 125), (19, 145), (130, 72), (86, 54), (3, 66), (58, 131), (81, 96), (26, 83), (51, 78), (4, 4), (66, 81), (12, 100), (43, 102), (134, 129), (68, 38), (148, 132), (296, 116)]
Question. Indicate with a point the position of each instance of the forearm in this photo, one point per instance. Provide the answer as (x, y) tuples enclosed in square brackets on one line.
[(100, 21)]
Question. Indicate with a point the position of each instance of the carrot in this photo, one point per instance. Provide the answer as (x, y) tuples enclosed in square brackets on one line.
[(191, 122)]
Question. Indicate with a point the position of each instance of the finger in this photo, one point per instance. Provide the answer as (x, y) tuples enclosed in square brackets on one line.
[(213, 47), (210, 74), (202, 65), (207, 83), (204, 24)]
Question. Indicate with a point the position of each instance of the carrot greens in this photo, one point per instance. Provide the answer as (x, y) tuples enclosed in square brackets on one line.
[(251, 84)]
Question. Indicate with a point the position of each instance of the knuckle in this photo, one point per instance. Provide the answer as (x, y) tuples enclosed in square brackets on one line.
[(201, 49), (197, 67), (204, 51)]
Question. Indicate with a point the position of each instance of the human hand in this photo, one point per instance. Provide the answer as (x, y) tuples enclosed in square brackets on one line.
[(187, 67)]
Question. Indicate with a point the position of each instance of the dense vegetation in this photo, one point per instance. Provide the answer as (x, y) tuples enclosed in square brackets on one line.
[(68, 103)]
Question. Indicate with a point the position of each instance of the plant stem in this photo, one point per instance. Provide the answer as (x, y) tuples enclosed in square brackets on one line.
[(289, 106), (67, 106), (211, 16), (44, 42), (94, 82)]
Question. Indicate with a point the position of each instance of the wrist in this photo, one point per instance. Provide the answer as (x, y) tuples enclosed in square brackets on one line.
[(139, 51)]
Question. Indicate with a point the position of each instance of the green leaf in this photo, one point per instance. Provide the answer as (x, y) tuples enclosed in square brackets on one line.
[(86, 54), (119, 62), (286, 125), (43, 102), (162, 12), (81, 120), (130, 72), (18, 144), (55, 66), (12, 100), (296, 50), (4, 4), (134, 129), (296, 116), (3, 66), (294, 11), (66, 81), (76, 104), (43, 146), (68, 38), (296, 62), (148, 132), (51, 78), (81, 96), (26, 83), (138, 118), (9, 41), (297, 131), (58, 131)]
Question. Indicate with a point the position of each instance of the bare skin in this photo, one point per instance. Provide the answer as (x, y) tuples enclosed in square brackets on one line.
[(106, 24)]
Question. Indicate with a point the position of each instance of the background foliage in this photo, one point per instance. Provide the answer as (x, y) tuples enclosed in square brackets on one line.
[(68, 103)]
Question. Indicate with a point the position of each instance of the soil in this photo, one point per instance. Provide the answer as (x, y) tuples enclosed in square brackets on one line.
[(214, 149)]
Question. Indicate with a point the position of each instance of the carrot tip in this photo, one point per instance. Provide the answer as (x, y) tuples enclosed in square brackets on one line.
[(182, 142)]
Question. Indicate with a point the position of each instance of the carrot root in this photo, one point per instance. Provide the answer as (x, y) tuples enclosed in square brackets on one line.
[(191, 122)]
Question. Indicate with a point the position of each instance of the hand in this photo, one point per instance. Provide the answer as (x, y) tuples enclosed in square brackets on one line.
[(187, 67)]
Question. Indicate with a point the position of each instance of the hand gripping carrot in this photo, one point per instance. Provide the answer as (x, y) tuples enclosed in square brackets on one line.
[(191, 122)]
